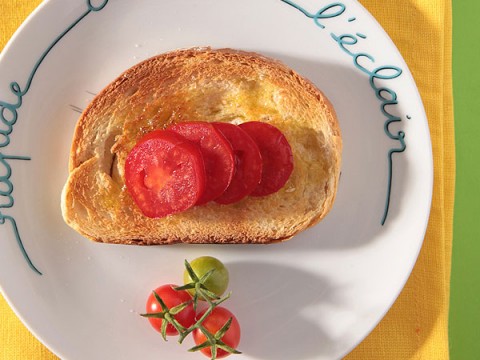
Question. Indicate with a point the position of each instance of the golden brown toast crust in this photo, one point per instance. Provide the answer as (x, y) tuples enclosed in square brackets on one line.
[(204, 85)]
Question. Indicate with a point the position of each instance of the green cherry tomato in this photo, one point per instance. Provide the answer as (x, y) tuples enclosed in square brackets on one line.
[(217, 282)]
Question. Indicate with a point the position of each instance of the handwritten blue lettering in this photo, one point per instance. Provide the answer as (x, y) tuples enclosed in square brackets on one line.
[(367, 64), (8, 118)]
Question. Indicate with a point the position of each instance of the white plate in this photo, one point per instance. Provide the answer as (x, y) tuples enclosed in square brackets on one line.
[(314, 297)]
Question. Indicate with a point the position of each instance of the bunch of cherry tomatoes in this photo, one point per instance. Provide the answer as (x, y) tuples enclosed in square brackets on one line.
[(175, 310)]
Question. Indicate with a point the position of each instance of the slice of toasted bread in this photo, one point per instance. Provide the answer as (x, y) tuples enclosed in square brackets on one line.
[(202, 85)]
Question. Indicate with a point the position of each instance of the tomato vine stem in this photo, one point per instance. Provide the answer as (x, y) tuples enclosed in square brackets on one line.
[(200, 291)]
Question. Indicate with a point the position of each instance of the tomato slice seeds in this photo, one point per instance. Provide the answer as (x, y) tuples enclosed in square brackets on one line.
[(165, 174)]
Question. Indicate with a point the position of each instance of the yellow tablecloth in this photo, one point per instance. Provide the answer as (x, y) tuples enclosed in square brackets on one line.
[(417, 325)]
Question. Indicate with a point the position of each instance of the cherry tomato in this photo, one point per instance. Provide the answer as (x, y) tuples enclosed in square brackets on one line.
[(276, 153), (164, 174), (217, 282), (248, 164), (217, 156), (214, 322), (171, 298)]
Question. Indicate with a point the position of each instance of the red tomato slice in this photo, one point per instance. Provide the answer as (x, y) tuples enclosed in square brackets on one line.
[(276, 154), (217, 156), (248, 163), (164, 173)]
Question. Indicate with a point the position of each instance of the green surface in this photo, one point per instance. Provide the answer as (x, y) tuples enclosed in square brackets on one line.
[(465, 285)]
